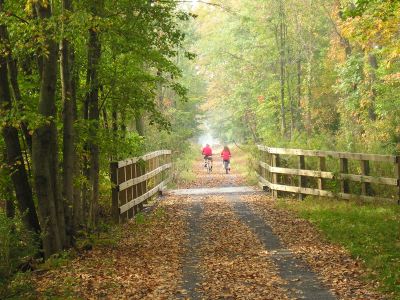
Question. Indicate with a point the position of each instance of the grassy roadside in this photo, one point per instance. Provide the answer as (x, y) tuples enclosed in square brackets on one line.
[(370, 232), (243, 162), (182, 167)]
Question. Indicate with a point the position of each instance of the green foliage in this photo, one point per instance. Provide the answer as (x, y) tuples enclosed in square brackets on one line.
[(183, 165), (369, 231), (17, 247), (340, 62)]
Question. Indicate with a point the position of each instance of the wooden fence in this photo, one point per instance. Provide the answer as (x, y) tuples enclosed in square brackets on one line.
[(276, 176), (136, 180)]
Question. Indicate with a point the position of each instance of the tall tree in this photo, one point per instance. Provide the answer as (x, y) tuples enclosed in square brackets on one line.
[(44, 144), (92, 100), (14, 155), (72, 203)]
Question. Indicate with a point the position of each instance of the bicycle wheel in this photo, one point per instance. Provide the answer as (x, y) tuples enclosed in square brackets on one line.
[(208, 166), (226, 166)]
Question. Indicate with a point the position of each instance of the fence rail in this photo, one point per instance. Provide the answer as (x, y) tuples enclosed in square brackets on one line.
[(136, 180), (270, 173)]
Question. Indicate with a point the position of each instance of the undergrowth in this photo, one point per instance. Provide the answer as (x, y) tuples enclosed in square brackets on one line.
[(16, 284), (17, 247), (182, 168), (370, 232)]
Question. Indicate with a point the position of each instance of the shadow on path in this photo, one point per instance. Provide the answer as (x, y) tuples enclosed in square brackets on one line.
[(304, 284), (190, 269)]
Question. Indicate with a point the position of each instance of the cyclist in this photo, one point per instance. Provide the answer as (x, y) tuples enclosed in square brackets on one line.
[(207, 152), (226, 158)]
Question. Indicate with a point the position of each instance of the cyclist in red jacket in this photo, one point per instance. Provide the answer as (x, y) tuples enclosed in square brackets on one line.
[(226, 158), (207, 152)]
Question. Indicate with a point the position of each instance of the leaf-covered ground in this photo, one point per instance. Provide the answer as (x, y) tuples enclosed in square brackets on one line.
[(218, 178), (197, 247), (144, 264), (235, 265), (343, 274)]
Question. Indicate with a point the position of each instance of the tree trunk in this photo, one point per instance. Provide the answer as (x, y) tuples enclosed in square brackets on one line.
[(66, 63), (77, 211), (373, 62), (45, 150), (94, 54), (309, 96), (344, 41), (13, 76), (289, 90), (292, 109), (13, 72), (139, 124), (105, 118), (14, 156), (299, 95), (8, 192), (282, 66), (123, 124)]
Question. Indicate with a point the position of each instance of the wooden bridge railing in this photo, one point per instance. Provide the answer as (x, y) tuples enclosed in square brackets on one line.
[(137, 179), (319, 179)]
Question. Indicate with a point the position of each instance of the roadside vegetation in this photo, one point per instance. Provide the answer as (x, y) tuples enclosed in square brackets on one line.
[(370, 232)]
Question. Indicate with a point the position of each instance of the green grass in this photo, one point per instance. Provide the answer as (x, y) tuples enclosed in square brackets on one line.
[(370, 232), (182, 167)]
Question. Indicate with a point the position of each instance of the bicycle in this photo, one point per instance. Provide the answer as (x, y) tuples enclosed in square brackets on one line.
[(226, 166), (208, 165)]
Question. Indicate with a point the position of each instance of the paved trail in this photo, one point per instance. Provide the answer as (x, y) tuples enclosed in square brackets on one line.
[(232, 253), (215, 238)]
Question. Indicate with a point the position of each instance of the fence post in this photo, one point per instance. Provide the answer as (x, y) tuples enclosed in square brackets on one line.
[(135, 190), (114, 191), (170, 170), (275, 163), (397, 170), (321, 167), (260, 157), (129, 191), (262, 170), (344, 169), (365, 186), (302, 179)]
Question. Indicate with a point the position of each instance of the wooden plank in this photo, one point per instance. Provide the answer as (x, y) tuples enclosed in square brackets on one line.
[(309, 173), (333, 154), (365, 186), (129, 196), (139, 200), (264, 181), (262, 186), (363, 197), (330, 175), (145, 157), (322, 169), (135, 187), (144, 177), (125, 199), (317, 192), (302, 180), (298, 190), (262, 148), (344, 169), (275, 163), (114, 192), (265, 166), (368, 179)]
